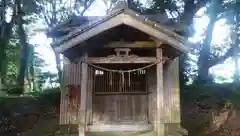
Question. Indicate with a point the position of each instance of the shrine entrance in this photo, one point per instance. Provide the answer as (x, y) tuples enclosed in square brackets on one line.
[(120, 91), (120, 97)]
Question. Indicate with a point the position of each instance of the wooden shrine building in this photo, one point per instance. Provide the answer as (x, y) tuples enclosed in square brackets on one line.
[(120, 73)]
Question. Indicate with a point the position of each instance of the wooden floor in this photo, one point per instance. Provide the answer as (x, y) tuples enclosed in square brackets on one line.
[(110, 130)]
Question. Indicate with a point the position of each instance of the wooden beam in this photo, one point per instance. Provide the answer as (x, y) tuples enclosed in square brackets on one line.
[(104, 60), (119, 93), (137, 44), (160, 100), (83, 104), (66, 60), (119, 128)]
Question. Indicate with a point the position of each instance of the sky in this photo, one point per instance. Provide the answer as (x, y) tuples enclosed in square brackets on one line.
[(97, 9), (220, 35)]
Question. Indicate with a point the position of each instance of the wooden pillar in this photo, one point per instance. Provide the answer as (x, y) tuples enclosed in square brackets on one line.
[(160, 112), (83, 105), (89, 95)]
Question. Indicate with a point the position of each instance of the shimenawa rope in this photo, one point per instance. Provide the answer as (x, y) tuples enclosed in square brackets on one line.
[(123, 71)]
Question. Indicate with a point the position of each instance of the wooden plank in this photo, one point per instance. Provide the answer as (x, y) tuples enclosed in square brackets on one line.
[(120, 109), (120, 93), (104, 60), (83, 104), (138, 44), (120, 128), (151, 81), (72, 79), (90, 90), (61, 118), (172, 92), (160, 100)]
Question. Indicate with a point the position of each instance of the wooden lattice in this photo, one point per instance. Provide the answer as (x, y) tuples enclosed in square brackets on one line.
[(106, 82)]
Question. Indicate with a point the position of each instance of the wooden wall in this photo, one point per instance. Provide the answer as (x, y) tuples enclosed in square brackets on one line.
[(151, 80), (70, 95), (108, 109), (171, 92)]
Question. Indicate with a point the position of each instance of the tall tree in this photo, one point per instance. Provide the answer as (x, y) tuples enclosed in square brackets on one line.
[(5, 35), (55, 12), (236, 32), (185, 11), (204, 55), (24, 45), (31, 69), (218, 9)]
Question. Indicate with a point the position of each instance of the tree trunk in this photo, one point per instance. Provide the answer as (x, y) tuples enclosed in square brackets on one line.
[(204, 58), (6, 32), (58, 65), (24, 48), (236, 48), (32, 75), (236, 72), (28, 77), (31, 71), (23, 57)]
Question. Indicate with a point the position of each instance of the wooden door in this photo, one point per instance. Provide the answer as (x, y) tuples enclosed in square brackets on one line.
[(119, 97)]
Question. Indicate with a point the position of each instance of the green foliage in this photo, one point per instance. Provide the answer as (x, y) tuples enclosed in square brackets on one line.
[(163, 5), (204, 104), (51, 93), (220, 92), (15, 91), (19, 114)]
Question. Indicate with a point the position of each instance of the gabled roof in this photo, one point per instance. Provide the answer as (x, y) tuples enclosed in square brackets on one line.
[(122, 16)]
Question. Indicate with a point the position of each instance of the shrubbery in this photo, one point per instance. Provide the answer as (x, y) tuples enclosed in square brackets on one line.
[(202, 104), (20, 113)]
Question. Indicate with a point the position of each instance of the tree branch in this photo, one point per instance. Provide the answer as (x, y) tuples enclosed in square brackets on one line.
[(190, 9), (46, 20), (221, 59), (87, 4)]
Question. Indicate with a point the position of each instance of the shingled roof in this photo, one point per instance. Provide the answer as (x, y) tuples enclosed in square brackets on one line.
[(78, 21), (78, 25)]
